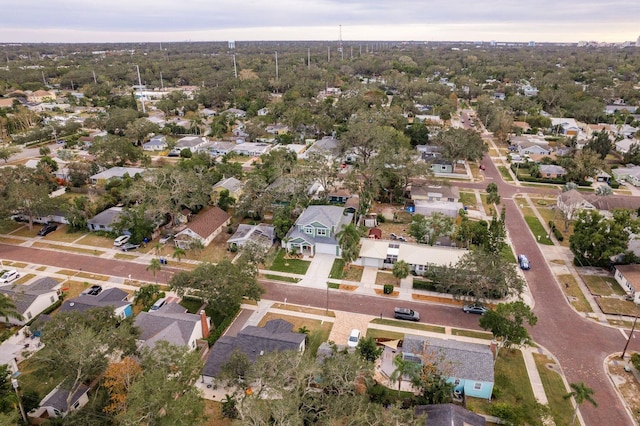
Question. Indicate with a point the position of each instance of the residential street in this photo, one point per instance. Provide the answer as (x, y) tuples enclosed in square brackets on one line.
[(581, 345)]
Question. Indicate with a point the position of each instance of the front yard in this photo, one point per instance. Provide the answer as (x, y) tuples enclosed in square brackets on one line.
[(282, 263)]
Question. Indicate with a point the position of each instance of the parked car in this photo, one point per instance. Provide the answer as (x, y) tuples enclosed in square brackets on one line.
[(406, 314), (47, 229), (130, 246), (94, 290), (401, 238), (393, 236), (482, 167), (158, 304), (524, 262), (9, 276), (165, 239), (354, 338), (122, 239), (474, 309)]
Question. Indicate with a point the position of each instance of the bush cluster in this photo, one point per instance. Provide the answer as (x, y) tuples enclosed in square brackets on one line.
[(556, 231)]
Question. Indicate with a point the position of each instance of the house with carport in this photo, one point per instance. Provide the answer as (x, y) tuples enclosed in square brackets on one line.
[(54, 404), (315, 230), (468, 366), (31, 299), (206, 225), (261, 234), (104, 220)]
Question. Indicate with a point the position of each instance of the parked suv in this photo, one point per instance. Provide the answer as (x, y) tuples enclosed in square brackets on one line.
[(47, 229), (406, 314), (9, 276), (524, 262)]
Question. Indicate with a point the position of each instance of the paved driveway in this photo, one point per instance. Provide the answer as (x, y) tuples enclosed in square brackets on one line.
[(318, 272)]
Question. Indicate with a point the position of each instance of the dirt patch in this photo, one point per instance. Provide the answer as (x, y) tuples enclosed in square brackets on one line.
[(348, 287), (627, 384), (381, 293)]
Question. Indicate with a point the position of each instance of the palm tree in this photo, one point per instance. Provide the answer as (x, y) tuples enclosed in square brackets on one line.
[(8, 308), (178, 253), (404, 368), (154, 267), (349, 242), (401, 270), (580, 393)]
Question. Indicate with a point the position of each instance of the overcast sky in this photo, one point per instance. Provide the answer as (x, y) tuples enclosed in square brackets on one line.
[(219, 20)]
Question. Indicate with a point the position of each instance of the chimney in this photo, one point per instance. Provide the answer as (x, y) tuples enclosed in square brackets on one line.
[(204, 321)]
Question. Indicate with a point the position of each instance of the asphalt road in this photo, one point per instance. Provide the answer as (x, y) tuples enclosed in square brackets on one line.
[(580, 345)]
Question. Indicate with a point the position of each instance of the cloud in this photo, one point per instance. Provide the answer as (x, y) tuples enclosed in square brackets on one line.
[(147, 20)]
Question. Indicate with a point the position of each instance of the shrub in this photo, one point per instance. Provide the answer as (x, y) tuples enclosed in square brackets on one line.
[(635, 360), (388, 289)]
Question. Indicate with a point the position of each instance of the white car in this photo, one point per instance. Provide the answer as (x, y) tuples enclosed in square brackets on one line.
[(9, 276), (122, 239), (354, 338)]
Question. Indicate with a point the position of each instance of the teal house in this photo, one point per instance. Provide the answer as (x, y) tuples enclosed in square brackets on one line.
[(469, 366)]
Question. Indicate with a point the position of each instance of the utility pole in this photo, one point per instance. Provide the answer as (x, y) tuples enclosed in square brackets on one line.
[(235, 69), (276, 65), (95, 80), (624, 351), (16, 385), (144, 111)]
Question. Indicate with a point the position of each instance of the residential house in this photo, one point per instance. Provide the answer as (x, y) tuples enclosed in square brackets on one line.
[(567, 126), (375, 234), (315, 230), (192, 143), (501, 96), (207, 225), (449, 415), (30, 300), (352, 205), (261, 234), (469, 366), (529, 90), (528, 145), (339, 196), (252, 149), (275, 336), (428, 119), (277, 129), (628, 276), (384, 253), (156, 143), (626, 131), (208, 112), (55, 403), (262, 112), (623, 146), (297, 148), (40, 96), (327, 146), (573, 201), (523, 125), (428, 199), (216, 148), (231, 184), (114, 173), (440, 165), (630, 174), (104, 220), (238, 113), (612, 109), (428, 152), (551, 171), (114, 297), (593, 129), (172, 323)]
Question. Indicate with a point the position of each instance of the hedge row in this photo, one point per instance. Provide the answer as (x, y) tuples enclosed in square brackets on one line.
[(556, 231)]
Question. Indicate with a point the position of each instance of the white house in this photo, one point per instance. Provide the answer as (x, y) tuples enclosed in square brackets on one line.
[(30, 300), (114, 173), (261, 234), (630, 174), (384, 253), (156, 143), (55, 403), (623, 146), (251, 149), (628, 276), (192, 143)]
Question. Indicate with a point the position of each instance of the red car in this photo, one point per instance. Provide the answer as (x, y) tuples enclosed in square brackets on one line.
[(482, 167)]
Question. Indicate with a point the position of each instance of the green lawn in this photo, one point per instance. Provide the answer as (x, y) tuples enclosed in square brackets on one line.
[(604, 286), (294, 266), (538, 230), (337, 270), (560, 408), (282, 278), (512, 390), (504, 172), (472, 333), (37, 377), (468, 199), (407, 324), (384, 334)]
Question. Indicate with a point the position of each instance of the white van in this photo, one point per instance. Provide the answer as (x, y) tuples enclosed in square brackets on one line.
[(159, 303)]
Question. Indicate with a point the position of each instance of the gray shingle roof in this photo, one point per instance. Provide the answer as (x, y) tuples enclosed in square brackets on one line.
[(110, 297), (171, 323), (449, 415), (230, 183), (275, 336), (469, 361), (24, 295), (58, 398)]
